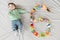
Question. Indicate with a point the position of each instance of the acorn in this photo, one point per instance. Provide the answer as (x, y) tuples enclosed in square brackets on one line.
[(48, 9)]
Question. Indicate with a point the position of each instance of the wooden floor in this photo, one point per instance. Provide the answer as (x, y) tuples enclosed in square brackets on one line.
[(6, 32)]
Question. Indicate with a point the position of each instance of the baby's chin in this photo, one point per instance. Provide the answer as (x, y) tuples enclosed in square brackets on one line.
[(12, 9)]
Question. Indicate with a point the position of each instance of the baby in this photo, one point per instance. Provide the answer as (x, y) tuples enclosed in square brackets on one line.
[(15, 16)]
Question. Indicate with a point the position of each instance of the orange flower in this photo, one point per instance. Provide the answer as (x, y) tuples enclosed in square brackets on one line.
[(36, 4), (35, 33), (32, 11), (44, 7), (47, 33)]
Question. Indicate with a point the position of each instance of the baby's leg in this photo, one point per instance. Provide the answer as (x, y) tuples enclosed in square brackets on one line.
[(20, 25), (20, 30), (14, 27)]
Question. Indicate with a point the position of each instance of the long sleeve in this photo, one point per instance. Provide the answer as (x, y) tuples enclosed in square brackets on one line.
[(22, 11)]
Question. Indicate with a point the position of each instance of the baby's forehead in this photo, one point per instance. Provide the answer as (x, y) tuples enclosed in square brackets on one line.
[(10, 4)]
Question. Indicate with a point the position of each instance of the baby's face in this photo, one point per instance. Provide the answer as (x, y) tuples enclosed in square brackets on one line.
[(11, 6)]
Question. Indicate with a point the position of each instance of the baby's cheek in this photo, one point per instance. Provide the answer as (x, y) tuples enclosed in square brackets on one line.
[(10, 8)]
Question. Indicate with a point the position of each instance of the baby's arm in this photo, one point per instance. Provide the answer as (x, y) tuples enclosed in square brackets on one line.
[(22, 11)]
